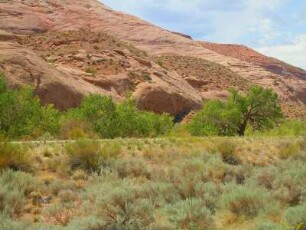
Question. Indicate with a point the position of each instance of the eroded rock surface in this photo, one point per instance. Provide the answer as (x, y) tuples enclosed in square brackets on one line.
[(69, 50)]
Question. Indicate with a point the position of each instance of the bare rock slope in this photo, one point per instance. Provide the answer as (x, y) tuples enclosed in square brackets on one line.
[(68, 50)]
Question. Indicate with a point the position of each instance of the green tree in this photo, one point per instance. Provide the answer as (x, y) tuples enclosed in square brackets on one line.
[(217, 118), (21, 113), (258, 109)]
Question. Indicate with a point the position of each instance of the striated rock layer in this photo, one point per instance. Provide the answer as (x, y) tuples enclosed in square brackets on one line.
[(67, 50)]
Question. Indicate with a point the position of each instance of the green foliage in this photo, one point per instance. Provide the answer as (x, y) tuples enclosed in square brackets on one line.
[(85, 155), (258, 108), (21, 113), (13, 156), (285, 128), (121, 120), (216, 118)]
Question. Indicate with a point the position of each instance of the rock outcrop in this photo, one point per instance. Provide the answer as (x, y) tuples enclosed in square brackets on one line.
[(67, 50)]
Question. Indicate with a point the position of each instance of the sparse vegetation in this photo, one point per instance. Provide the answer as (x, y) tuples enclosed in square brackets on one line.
[(157, 184)]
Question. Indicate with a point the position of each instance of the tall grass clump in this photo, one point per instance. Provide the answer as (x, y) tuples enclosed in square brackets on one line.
[(13, 156), (85, 155), (228, 150)]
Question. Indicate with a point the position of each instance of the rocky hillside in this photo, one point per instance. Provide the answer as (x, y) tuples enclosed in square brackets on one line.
[(69, 50)]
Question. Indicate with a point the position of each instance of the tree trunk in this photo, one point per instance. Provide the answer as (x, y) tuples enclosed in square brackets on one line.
[(242, 128)]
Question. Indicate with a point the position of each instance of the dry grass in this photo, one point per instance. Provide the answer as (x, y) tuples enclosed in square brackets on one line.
[(166, 183)]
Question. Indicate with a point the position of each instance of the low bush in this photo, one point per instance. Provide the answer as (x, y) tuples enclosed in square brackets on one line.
[(75, 129), (85, 155), (243, 201), (289, 184), (191, 214), (228, 149), (295, 217), (288, 149), (15, 187), (13, 156), (132, 168), (122, 206)]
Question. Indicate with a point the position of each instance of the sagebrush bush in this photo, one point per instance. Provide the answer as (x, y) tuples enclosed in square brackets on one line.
[(191, 214), (289, 184), (132, 168), (227, 149), (84, 154), (8, 223), (121, 206), (295, 217), (15, 187), (243, 201)]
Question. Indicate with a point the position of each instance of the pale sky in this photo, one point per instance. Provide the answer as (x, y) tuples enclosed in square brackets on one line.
[(274, 27)]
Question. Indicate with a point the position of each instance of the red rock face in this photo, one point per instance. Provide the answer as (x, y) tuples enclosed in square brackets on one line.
[(83, 64)]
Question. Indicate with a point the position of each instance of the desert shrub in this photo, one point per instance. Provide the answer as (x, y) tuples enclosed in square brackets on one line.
[(60, 213), (191, 214), (228, 149), (121, 207), (112, 120), (85, 155), (67, 196), (21, 113), (243, 201), (295, 217), (8, 223), (268, 225), (85, 223), (239, 174), (289, 184), (288, 149), (186, 176), (55, 186), (111, 150), (75, 129), (130, 215), (264, 177), (13, 156), (132, 168), (14, 188)]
